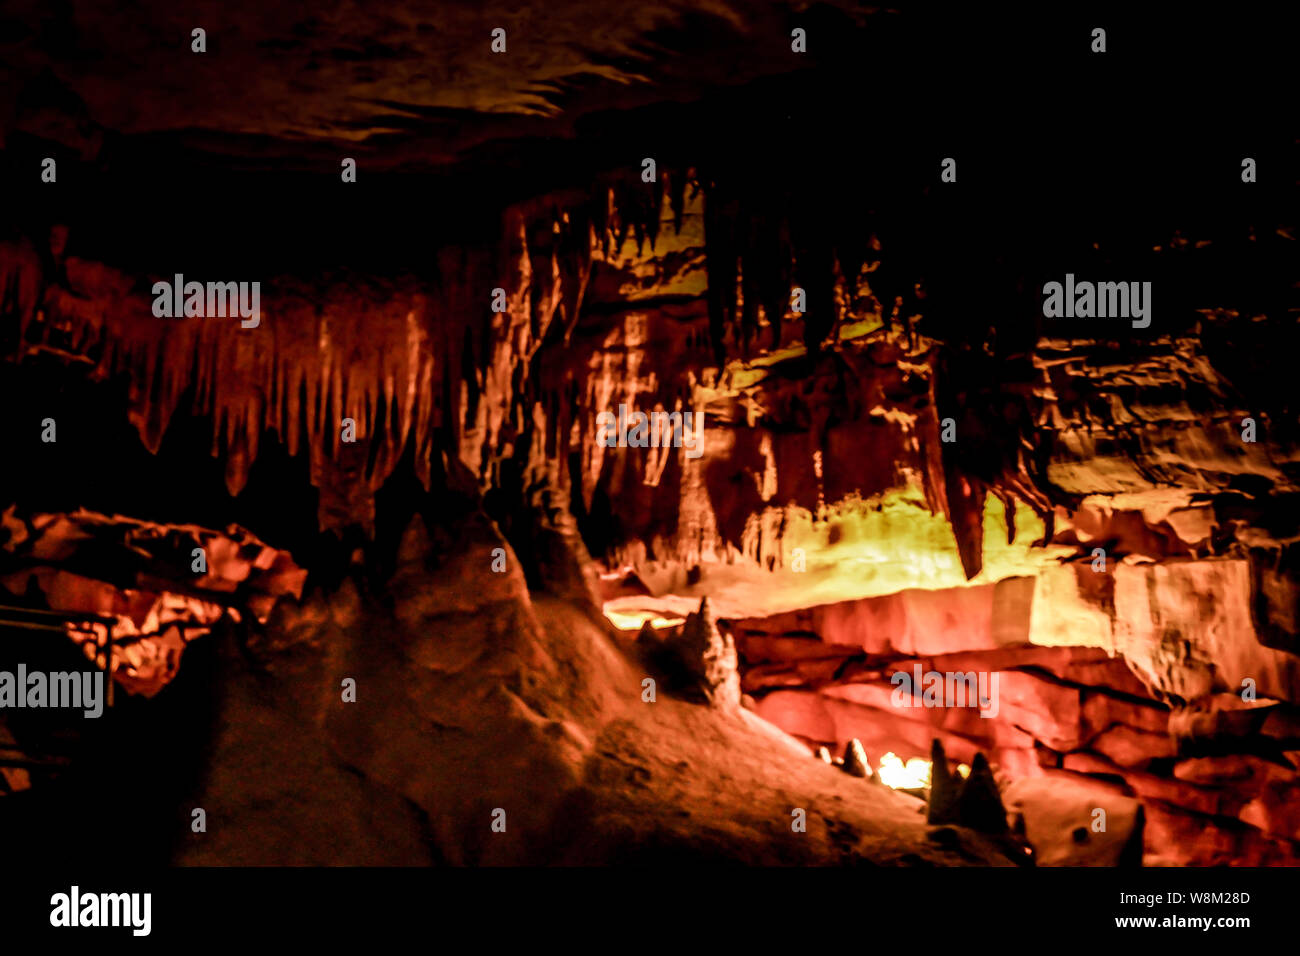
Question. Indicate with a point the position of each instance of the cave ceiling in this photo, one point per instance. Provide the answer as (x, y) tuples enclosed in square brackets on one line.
[(408, 87)]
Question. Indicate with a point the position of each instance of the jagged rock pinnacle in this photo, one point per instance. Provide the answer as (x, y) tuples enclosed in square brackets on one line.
[(855, 759)]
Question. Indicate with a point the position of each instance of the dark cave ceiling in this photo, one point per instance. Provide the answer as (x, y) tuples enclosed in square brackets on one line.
[(417, 79), (414, 86)]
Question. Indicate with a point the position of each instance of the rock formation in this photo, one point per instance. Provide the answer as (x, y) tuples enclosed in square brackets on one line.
[(922, 512)]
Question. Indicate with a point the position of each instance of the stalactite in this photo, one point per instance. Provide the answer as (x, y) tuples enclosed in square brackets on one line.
[(721, 252), (965, 496), (814, 268), (677, 182), (424, 363), (750, 282)]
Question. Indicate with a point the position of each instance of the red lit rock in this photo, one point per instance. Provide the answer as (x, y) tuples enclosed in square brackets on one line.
[(1232, 769), (1101, 710), (150, 584), (798, 712), (1047, 710), (1275, 810), (1147, 785), (1175, 837), (1131, 748)]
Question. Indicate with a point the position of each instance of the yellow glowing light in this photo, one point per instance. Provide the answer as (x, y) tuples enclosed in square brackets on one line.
[(633, 621), (913, 775), (851, 549)]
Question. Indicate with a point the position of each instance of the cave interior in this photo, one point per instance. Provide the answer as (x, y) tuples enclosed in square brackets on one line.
[(928, 577)]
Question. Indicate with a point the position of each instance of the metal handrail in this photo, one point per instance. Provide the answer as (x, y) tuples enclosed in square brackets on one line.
[(9, 613)]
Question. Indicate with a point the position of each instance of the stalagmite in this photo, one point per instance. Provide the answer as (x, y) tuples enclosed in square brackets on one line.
[(855, 759), (973, 802)]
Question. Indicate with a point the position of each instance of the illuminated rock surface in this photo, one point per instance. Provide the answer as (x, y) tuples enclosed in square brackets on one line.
[(916, 473)]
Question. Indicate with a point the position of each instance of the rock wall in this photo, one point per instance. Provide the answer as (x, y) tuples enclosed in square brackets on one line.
[(1156, 714)]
